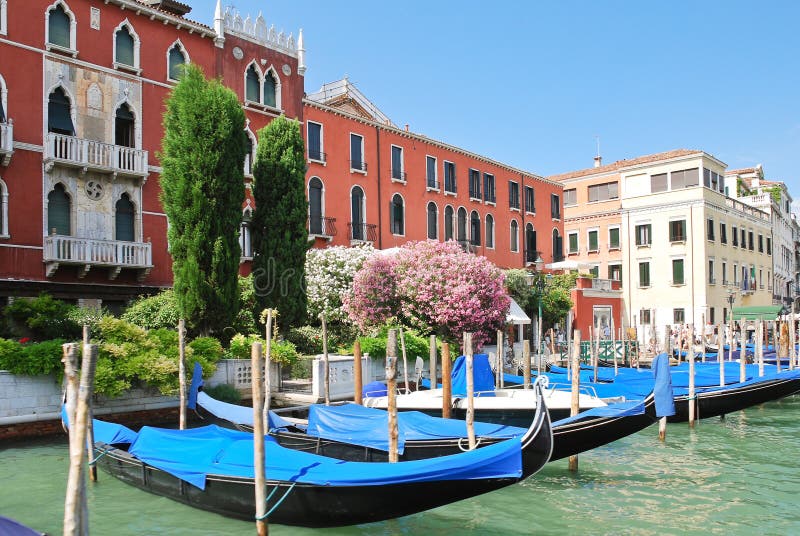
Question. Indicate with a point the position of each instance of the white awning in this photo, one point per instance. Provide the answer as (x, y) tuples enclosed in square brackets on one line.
[(568, 265), (516, 315)]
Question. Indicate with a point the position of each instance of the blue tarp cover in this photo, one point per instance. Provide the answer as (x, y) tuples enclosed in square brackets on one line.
[(106, 432), (368, 427), (483, 377), (665, 403), (237, 414), (770, 374), (621, 409), (193, 454)]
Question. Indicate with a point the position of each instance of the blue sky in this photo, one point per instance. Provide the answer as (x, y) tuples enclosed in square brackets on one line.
[(533, 84)]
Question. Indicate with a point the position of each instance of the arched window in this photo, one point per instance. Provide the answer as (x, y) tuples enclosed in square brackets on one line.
[(176, 59), (530, 243), (489, 231), (448, 222), (249, 155), (462, 225), (251, 84), (514, 236), (315, 223), (270, 90), (124, 126), (245, 238), (59, 118), (558, 246), (433, 217), (475, 228), (59, 27), (124, 219), (59, 210), (398, 224), (124, 47), (357, 225)]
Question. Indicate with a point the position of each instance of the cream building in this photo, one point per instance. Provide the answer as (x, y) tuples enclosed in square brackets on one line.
[(773, 198), (664, 227)]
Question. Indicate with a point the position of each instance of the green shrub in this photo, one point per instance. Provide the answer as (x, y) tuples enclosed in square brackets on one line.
[(224, 392), (43, 318), (375, 346), (32, 359), (307, 339), (153, 312), (283, 352), (240, 346)]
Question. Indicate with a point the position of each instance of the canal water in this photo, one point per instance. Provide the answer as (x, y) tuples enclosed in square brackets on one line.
[(740, 475)]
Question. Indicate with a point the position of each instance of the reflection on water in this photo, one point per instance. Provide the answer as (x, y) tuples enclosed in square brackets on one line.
[(734, 476)]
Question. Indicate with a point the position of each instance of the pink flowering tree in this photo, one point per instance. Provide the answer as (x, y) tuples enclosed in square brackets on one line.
[(435, 287)]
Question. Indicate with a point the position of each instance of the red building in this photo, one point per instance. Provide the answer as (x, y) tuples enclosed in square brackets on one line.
[(82, 98), (371, 181)]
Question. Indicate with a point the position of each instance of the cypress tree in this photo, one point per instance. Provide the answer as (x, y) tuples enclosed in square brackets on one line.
[(202, 190), (279, 233)]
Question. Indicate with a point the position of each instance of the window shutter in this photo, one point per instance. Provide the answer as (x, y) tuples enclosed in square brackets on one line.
[(59, 28), (124, 219), (58, 212), (176, 60), (270, 91), (124, 47)]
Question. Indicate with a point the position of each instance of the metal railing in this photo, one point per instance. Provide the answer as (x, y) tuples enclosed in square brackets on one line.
[(364, 232), (74, 250), (358, 165), (398, 175), (321, 226), (531, 255), (95, 155), (317, 155)]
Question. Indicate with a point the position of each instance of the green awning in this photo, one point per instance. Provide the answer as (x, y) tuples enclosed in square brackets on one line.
[(758, 312)]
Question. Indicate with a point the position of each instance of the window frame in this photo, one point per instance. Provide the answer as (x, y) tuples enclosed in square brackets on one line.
[(4, 230), (723, 233), (649, 233), (489, 223), (573, 192), (72, 48), (397, 175), (675, 280), (363, 164), (435, 185), (611, 246), (177, 44), (513, 227), (136, 67), (3, 17), (596, 231), (679, 315), (513, 195), (474, 217), (402, 215), (613, 267), (646, 266), (675, 238), (577, 249), (555, 207), (530, 208), (447, 164), (474, 184), (489, 184), (321, 151), (710, 236), (435, 220)]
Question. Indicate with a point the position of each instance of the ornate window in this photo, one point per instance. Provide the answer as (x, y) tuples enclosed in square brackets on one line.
[(59, 115), (250, 152), (60, 26), (126, 46), (357, 214), (475, 228), (448, 222), (59, 211), (245, 237), (124, 218), (514, 236), (489, 231), (433, 221), (315, 207), (124, 125), (251, 84), (271, 89), (398, 215), (176, 59)]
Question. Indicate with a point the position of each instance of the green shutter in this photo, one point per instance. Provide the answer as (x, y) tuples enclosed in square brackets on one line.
[(644, 274), (573, 243), (124, 219), (269, 91), (592, 240), (124, 47), (58, 212), (613, 237), (677, 271), (58, 28)]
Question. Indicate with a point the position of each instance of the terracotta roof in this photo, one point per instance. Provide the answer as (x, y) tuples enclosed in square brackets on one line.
[(166, 12), (620, 164), (742, 171)]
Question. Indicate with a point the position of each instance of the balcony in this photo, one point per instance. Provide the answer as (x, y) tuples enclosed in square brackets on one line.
[(6, 142), (88, 253), (90, 155), (323, 227), (362, 232)]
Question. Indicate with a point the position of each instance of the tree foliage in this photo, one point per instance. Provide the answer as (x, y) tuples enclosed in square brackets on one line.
[(202, 186), (434, 287), (556, 301), (329, 277), (279, 233), (519, 288)]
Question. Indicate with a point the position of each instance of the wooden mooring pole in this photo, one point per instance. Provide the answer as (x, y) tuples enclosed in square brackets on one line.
[(391, 388), (792, 342), (690, 357), (325, 358), (182, 372), (447, 392), (470, 391), (357, 378), (743, 352), (434, 376), (405, 361), (760, 347), (76, 515), (721, 352), (526, 364), (267, 372), (90, 421), (576, 385), (259, 459)]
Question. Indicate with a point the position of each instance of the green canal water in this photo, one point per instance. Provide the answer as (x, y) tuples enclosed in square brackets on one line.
[(740, 475)]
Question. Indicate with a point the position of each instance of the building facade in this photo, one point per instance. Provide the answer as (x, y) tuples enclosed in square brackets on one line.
[(81, 124), (749, 186), (685, 246), (370, 181)]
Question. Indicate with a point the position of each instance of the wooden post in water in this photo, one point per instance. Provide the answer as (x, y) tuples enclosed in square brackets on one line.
[(792, 342), (405, 360), (703, 335), (432, 364), (76, 519), (182, 372), (743, 352), (357, 379), (614, 344), (470, 391), (89, 422), (500, 359), (596, 348), (576, 385), (526, 364), (259, 460), (391, 387), (690, 357), (325, 358), (721, 352), (447, 393), (267, 372), (760, 347), (74, 514), (776, 345)]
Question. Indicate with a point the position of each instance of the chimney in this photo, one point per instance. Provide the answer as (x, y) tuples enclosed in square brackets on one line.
[(406, 127), (598, 161)]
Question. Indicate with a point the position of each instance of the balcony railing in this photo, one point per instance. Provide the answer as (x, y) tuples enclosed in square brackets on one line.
[(602, 284), (88, 253), (95, 155), (358, 165), (362, 232), (531, 256), (322, 226), (317, 155), (6, 142)]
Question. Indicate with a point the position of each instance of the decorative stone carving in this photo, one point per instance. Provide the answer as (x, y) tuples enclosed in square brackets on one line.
[(94, 97), (94, 189), (94, 18), (238, 53)]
